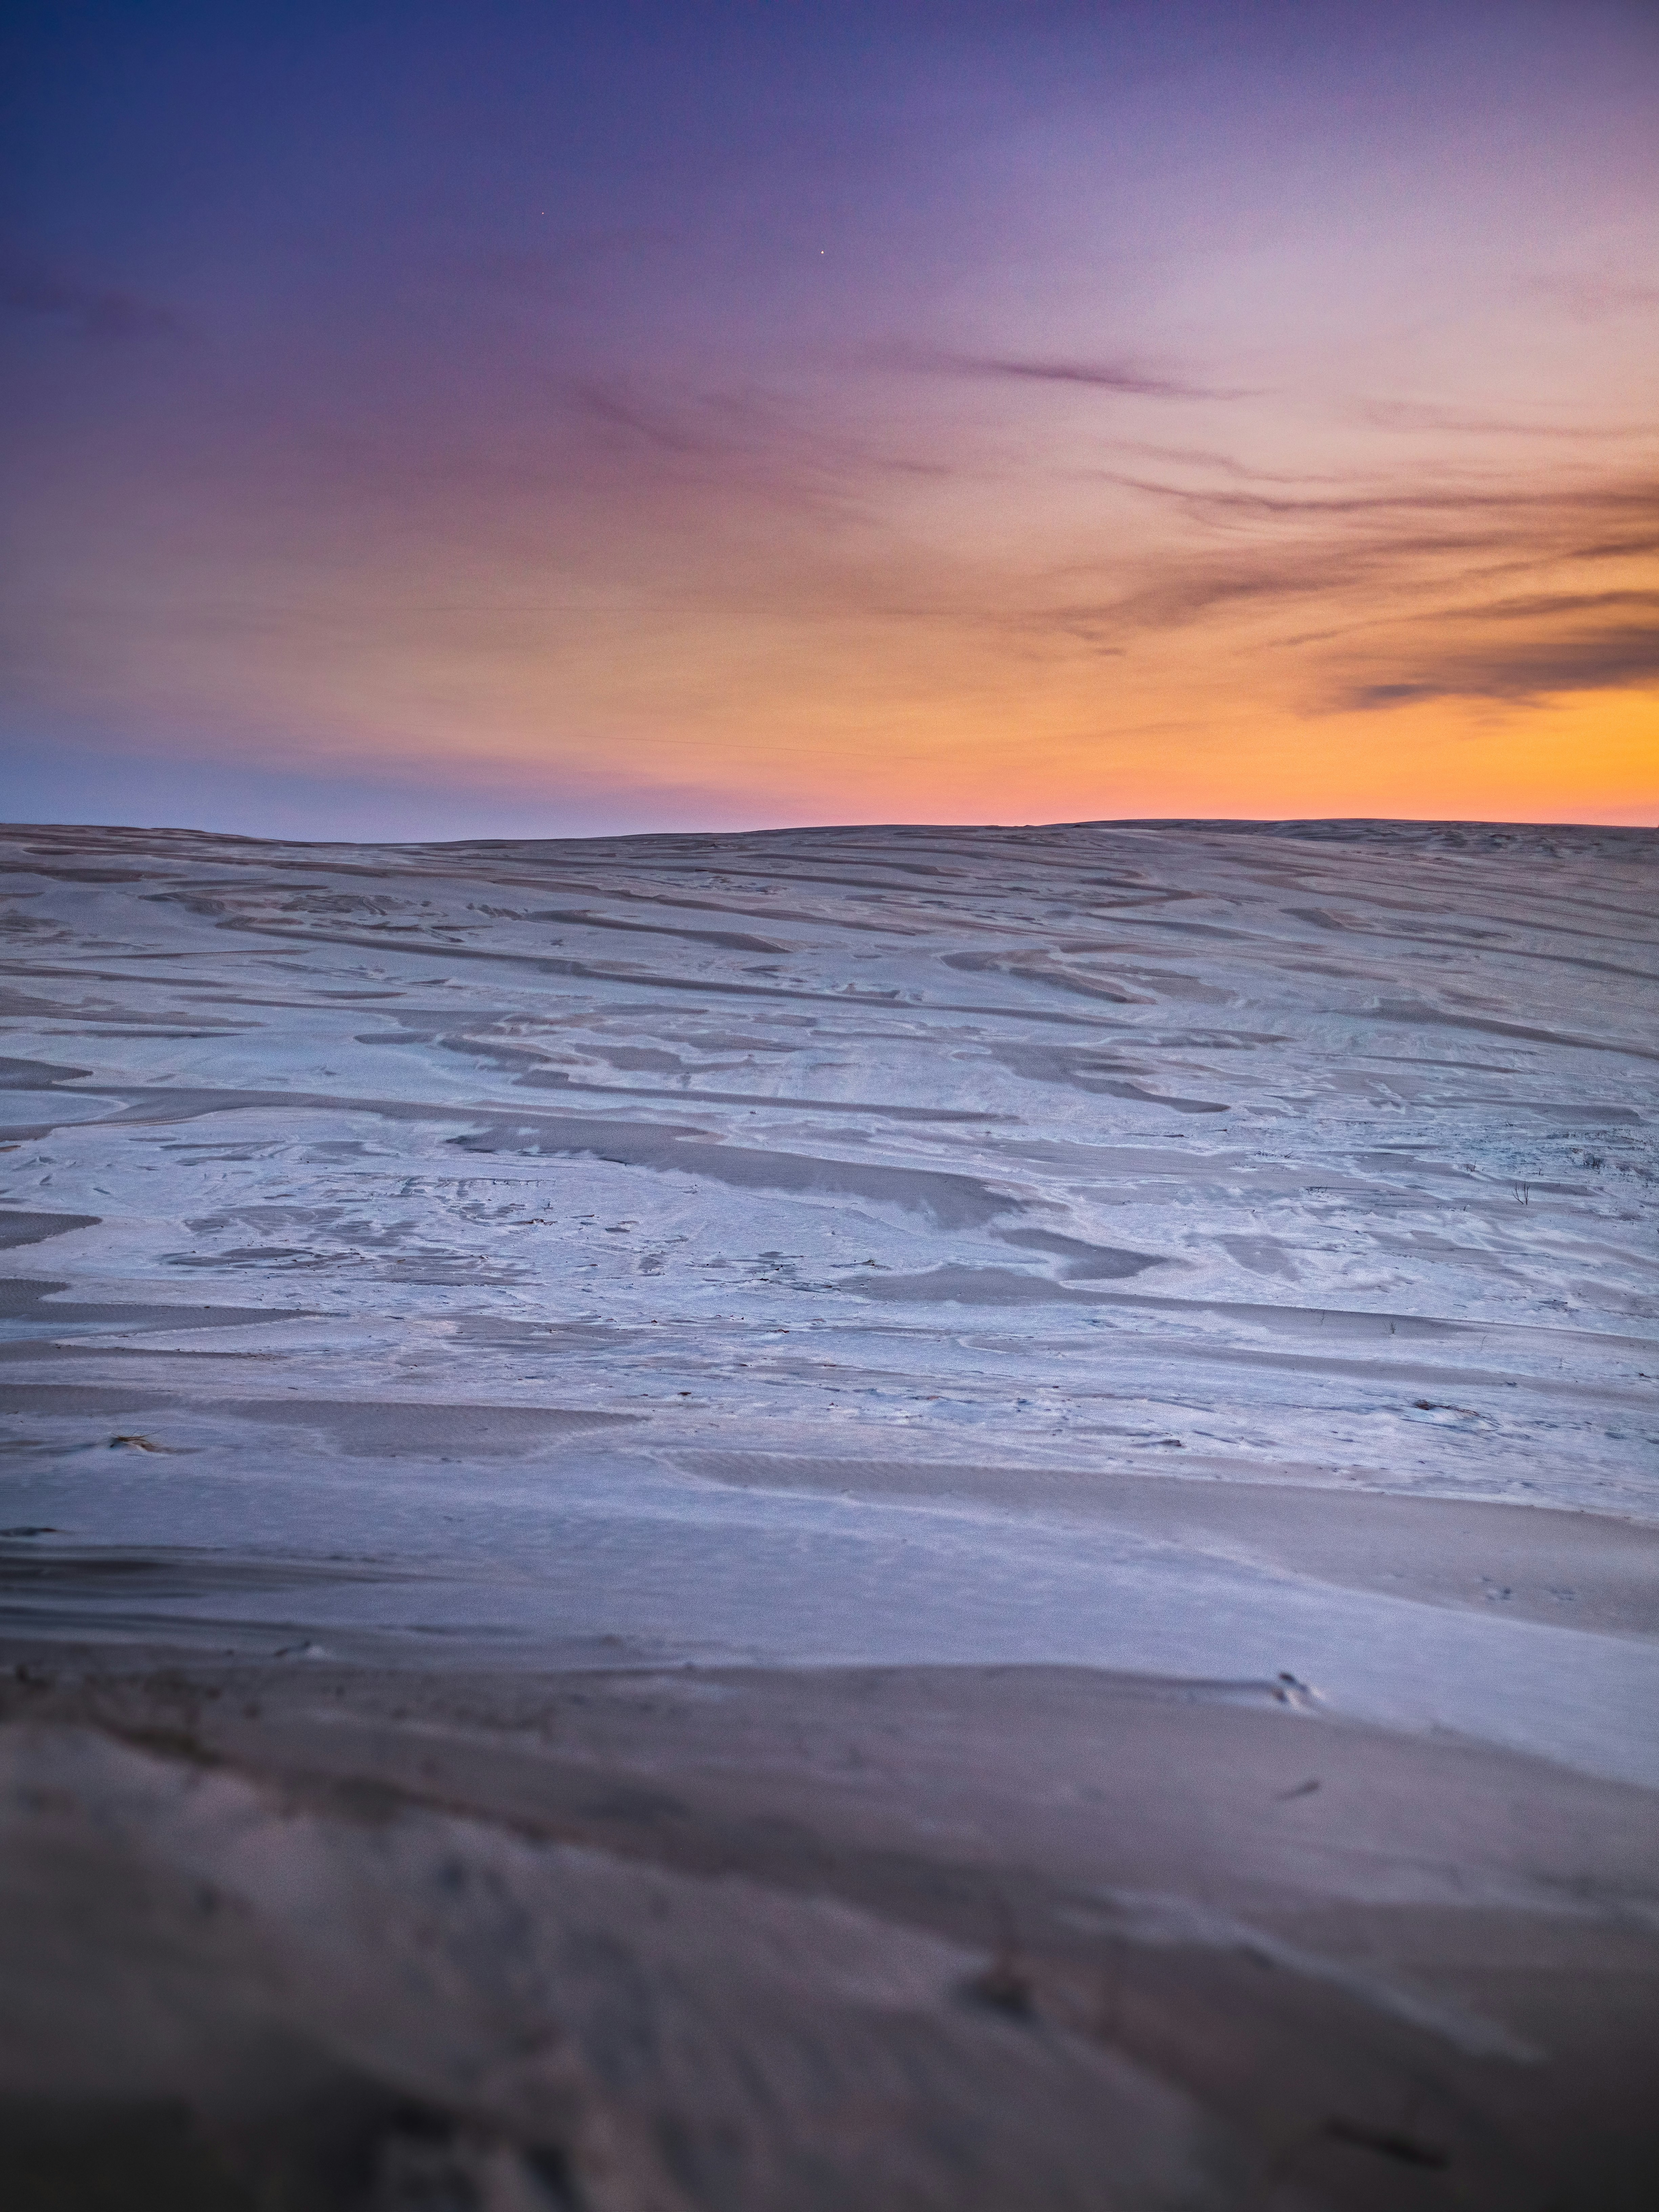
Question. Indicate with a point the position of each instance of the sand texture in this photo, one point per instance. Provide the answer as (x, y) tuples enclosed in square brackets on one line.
[(916, 1518)]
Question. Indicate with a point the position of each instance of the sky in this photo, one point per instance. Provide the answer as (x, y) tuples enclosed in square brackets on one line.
[(507, 419)]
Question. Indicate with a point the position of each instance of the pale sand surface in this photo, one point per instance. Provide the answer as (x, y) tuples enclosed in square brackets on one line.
[(846, 1518)]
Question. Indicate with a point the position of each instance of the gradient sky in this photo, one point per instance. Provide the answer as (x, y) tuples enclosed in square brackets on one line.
[(498, 418)]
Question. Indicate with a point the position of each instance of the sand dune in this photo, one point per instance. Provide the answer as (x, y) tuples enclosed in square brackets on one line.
[(996, 1489)]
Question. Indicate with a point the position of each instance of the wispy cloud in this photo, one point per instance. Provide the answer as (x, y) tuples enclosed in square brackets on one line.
[(90, 310), (668, 430), (1597, 660), (1546, 607), (1427, 414), (1478, 588), (1129, 378), (758, 443), (1453, 498)]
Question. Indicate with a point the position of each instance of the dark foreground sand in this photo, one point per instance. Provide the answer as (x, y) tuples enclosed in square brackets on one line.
[(313, 1933)]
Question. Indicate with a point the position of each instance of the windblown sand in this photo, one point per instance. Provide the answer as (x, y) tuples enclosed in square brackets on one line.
[(844, 1519)]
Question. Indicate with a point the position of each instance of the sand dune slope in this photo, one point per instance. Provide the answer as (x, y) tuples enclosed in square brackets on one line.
[(848, 1517)]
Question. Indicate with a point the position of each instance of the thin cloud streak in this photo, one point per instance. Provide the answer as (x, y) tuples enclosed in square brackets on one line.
[(1528, 531), (102, 314), (1123, 377), (1404, 614), (1424, 415), (1642, 495), (1604, 660)]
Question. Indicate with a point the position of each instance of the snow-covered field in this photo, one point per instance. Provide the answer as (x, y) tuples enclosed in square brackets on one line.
[(1208, 1254)]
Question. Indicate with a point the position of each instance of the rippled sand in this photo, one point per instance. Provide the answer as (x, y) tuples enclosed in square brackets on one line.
[(847, 1517)]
